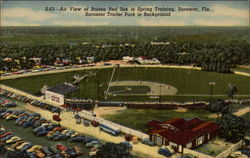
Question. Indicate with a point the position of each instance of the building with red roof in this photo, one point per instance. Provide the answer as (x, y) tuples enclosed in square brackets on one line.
[(182, 133)]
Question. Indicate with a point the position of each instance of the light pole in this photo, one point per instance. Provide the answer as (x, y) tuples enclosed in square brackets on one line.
[(211, 90), (160, 95)]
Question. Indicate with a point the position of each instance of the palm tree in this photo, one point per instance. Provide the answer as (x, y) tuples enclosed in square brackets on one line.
[(232, 90)]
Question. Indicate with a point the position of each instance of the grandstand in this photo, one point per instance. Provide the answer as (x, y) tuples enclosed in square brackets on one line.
[(57, 93)]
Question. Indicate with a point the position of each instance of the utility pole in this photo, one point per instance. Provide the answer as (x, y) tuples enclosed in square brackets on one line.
[(160, 95), (98, 90), (211, 91)]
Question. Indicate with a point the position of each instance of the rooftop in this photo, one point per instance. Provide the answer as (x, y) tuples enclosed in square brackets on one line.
[(63, 89), (182, 131)]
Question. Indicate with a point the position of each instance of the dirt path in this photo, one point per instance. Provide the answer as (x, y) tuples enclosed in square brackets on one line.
[(240, 112), (69, 122), (155, 88), (101, 111), (242, 73)]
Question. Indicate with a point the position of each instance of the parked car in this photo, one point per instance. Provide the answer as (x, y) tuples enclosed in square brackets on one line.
[(78, 120), (34, 148), (93, 151), (148, 142), (128, 145), (60, 147), (39, 153), (26, 147), (16, 144), (92, 144), (71, 152), (21, 145), (164, 152), (13, 140), (77, 139), (60, 137), (94, 123), (86, 123), (7, 137), (48, 151)]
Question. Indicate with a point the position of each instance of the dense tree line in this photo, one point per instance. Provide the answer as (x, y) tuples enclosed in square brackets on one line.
[(233, 128), (211, 57)]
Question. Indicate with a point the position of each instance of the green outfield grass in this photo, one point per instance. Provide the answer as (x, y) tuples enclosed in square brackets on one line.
[(191, 84)]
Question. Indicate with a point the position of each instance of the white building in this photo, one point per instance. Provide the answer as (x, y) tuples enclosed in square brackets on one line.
[(127, 58), (145, 61), (35, 59), (57, 93), (160, 43), (90, 59)]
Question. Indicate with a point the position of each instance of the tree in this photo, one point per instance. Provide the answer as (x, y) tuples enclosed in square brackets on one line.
[(111, 150), (219, 107), (232, 90), (233, 128)]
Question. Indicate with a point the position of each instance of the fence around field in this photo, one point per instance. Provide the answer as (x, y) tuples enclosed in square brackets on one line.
[(22, 93), (85, 114), (230, 150), (195, 153), (223, 154)]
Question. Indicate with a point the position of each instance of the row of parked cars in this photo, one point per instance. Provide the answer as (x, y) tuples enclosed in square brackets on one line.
[(7, 103), (12, 143), (29, 100), (52, 131)]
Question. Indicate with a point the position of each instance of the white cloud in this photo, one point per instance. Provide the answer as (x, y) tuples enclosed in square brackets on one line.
[(15, 23), (27, 13), (157, 22), (78, 23), (219, 22), (221, 10)]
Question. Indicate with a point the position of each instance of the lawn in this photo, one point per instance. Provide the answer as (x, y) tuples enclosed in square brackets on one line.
[(138, 118), (214, 147), (188, 83)]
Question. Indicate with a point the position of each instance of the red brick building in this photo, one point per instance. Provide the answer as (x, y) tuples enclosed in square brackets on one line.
[(182, 133)]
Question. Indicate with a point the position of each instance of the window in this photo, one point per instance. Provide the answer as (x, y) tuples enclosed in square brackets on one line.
[(200, 140), (172, 144), (158, 140), (189, 145)]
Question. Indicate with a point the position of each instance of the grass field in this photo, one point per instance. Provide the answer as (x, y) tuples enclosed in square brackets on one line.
[(138, 118), (191, 84)]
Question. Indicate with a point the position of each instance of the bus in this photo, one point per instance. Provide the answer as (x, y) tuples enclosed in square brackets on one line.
[(115, 131)]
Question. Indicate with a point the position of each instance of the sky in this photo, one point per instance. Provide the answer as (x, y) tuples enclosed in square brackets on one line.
[(33, 13)]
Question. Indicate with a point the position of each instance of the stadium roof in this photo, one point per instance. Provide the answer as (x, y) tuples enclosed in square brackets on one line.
[(63, 89)]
